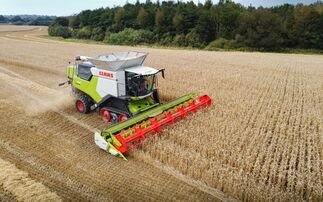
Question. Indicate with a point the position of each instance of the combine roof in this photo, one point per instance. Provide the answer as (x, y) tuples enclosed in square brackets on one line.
[(142, 70)]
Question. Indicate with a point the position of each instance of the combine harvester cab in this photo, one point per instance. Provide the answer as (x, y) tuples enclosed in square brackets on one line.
[(124, 92)]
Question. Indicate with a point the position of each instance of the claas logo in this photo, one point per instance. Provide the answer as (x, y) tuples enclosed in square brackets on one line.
[(106, 74)]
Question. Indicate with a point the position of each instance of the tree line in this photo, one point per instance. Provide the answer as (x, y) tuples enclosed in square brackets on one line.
[(227, 25), (27, 20)]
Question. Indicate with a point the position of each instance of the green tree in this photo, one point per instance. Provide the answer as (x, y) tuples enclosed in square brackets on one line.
[(180, 40), (208, 4), (85, 18), (2, 19), (189, 13), (261, 29), (107, 18), (307, 30), (143, 18), (160, 19), (61, 21), (74, 21), (59, 27), (184, 23), (119, 17), (97, 34), (206, 27), (286, 15), (178, 23), (193, 39), (16, 19), (130, 37), (229, 19), (59, 30), (84, 33)]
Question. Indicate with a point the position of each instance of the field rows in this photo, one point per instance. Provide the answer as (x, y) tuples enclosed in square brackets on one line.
[(262, 143), (259, 141)]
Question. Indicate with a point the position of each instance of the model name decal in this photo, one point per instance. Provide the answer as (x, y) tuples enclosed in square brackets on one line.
[(106, 74)]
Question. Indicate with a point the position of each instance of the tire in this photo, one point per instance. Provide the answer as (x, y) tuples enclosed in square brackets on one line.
[(83, 104), (114, 117), (105, 115), (122, 117)]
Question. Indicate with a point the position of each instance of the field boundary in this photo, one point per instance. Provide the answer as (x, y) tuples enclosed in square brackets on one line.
[(156, 46)]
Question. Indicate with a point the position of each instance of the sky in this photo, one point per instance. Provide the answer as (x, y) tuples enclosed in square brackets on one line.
[(69, 7)]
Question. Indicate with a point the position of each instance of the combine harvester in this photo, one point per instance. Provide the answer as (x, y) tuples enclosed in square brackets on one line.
[(124, 93)]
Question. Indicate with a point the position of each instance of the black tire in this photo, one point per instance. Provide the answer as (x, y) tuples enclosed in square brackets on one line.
[(114, 117), (83, 104)]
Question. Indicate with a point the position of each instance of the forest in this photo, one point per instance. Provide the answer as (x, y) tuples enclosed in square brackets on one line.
[(224, 25), (39, 20)]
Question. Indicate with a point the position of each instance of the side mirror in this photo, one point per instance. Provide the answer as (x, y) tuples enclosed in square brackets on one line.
[(62, 84), (162, 72)]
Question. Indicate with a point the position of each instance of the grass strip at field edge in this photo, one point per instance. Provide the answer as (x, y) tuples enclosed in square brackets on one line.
[(156, 46)]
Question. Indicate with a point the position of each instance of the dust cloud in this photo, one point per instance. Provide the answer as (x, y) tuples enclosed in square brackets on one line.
[(32, 97)]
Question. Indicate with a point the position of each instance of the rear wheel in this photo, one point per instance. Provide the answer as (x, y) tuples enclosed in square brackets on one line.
[(82, 104)]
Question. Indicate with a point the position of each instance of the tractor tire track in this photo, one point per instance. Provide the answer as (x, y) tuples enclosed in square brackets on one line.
[(22, 186)]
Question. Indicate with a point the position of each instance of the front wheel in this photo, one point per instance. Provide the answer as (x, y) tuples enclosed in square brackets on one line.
[(82, 104)]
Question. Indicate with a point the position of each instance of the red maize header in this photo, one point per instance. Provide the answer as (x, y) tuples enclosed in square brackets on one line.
[(135, 136)]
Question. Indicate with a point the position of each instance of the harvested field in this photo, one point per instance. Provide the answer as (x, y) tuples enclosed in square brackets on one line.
[(260, 140), (21, 186), (13, 28)]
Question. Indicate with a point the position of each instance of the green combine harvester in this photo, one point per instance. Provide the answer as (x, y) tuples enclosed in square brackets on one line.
[(124, 92)]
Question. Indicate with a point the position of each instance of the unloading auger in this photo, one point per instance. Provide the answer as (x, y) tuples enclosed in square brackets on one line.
[(124, 92)]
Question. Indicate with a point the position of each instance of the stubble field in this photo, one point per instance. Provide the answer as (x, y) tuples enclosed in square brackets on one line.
[(260, 140)]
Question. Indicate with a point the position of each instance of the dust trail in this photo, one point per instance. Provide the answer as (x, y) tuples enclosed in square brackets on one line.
[(12, 73), (35, 98), (21, 186)]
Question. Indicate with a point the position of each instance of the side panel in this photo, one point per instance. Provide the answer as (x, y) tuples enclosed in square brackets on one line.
[(121, 78), (80, 83), (92, 89), (109, 82), (107, 86), (88, 87)]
